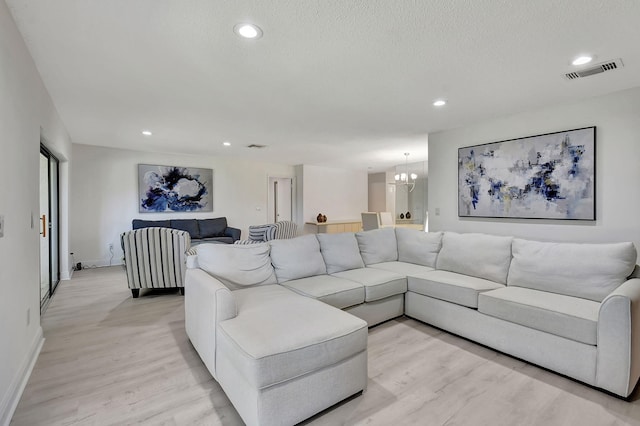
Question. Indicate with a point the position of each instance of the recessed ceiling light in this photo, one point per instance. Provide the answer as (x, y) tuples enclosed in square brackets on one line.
[(440, 102), (147, 132), (226, 143), (581, 60), (248, 31)]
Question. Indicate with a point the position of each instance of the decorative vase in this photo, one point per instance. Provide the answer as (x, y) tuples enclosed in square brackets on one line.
[(408, 215), (401, 215), (319, 218), (324, 218)]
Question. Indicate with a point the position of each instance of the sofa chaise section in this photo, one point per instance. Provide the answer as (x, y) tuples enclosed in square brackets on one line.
[(279, 356), (289, 356)]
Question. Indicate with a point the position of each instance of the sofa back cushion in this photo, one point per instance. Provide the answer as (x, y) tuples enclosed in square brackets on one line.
[(378, 245), (478, 255), (237, 266), (210, 228), (139, 224), (418, 247), (189, 225), (589, 271), (340, 252), (297, 258)]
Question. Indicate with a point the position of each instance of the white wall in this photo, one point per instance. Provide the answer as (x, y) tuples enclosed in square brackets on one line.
[(617, 117), (26, 112), (337, 193), (104, 195)]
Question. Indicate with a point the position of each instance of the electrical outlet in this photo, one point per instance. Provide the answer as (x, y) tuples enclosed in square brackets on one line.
[(110, 246), (437, 211)]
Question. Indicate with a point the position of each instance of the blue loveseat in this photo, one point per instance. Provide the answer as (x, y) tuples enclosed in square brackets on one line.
[(201, 230)]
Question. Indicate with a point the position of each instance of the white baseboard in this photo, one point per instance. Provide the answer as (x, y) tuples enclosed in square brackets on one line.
[(19, 382), (66, 275), (86, 264)]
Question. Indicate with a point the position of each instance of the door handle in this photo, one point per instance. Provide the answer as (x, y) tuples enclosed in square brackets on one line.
[(43, 221)]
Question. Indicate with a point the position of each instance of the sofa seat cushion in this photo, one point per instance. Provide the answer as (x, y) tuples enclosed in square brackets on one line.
[(334, 291), (402, 268), (378, 283), (451, 287), (278, 335), (565, 316), (218, 240)]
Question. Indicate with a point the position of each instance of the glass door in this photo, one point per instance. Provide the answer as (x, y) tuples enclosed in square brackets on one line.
[(48, 225)]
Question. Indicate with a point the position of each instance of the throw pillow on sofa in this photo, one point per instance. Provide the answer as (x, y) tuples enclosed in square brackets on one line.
[(589, 271), (340, 252), (210, 228), (378, 245), (237, 266), (189, 225), (297, 258), (478, 255), (418, 247)]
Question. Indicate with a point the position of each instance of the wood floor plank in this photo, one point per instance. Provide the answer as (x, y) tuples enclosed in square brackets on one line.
[(109, 359)]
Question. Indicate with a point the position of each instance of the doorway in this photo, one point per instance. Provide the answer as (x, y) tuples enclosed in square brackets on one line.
[(49, 226), (280, 199)]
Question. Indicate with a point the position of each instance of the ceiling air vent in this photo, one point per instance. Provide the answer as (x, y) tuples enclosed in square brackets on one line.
[(256, 146), (596, 69)]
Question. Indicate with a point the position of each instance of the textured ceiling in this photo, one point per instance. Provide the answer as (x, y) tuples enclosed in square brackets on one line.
[(346, 83)]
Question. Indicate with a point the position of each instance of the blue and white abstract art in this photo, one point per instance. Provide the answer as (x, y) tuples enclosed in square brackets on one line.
[(549, 176), (174, 189)]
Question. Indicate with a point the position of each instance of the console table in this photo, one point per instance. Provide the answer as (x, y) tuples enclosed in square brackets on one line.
[(333, 226)]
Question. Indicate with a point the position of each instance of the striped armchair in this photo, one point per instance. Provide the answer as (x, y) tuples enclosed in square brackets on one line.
[(155, 258), (272, 231)]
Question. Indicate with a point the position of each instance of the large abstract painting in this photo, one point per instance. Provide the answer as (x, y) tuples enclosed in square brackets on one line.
[(549, 176), (174, 189)]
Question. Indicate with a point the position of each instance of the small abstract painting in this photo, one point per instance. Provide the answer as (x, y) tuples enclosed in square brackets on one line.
[(174, 189), (550, 176)]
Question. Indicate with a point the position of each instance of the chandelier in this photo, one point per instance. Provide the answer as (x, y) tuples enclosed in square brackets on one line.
[(406, 179)]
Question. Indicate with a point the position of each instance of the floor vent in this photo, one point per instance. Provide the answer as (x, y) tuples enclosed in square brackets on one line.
[(596, 69)]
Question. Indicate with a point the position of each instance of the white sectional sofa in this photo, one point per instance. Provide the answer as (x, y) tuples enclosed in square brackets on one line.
[(282, 326)]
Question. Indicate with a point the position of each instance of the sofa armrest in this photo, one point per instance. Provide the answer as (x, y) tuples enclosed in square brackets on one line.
[(207, 303), (618, 359), (233, 233)]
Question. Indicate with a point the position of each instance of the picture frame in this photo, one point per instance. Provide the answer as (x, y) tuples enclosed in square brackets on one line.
[(167, 189), (547, 176)]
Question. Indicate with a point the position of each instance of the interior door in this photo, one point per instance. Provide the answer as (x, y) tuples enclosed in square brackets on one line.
[(280, 199)]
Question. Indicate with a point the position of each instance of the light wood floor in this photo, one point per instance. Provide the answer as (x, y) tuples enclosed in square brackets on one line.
[(111, 360)]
